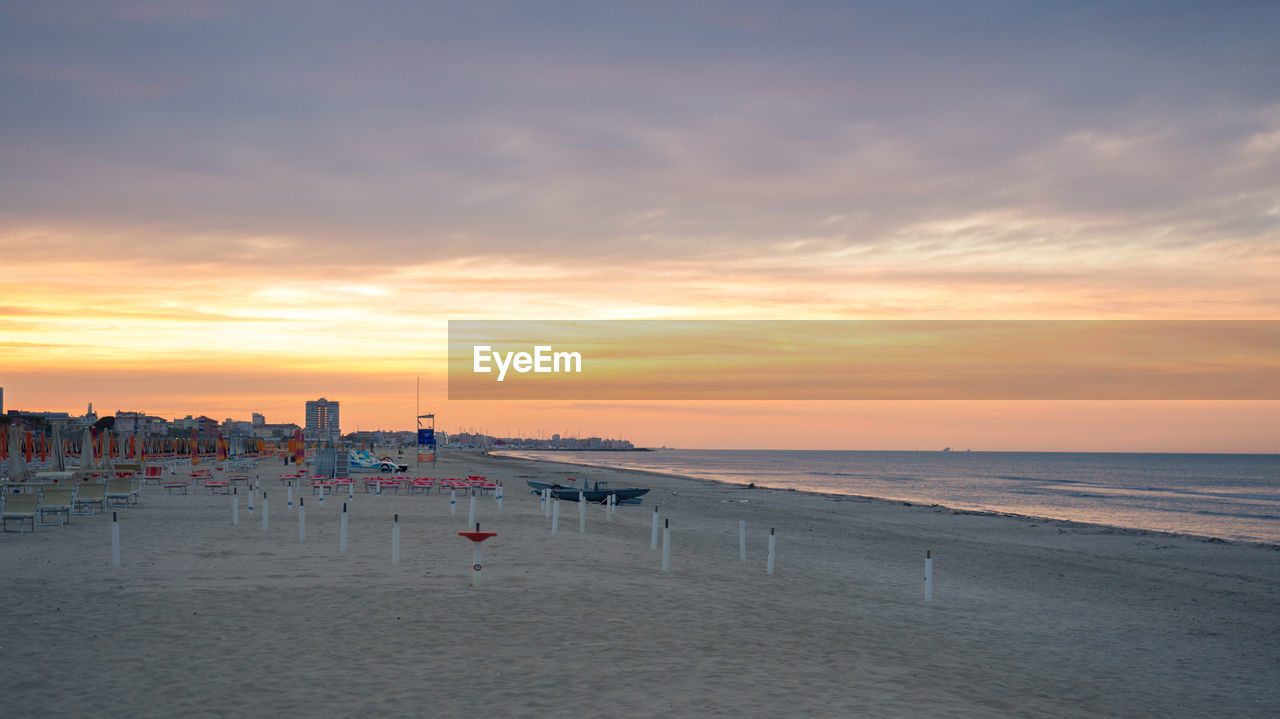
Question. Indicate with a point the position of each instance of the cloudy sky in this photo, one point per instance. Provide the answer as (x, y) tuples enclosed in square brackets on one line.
[(231, 207)]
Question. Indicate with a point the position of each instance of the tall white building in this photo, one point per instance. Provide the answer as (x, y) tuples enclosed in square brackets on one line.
[(322, 420)]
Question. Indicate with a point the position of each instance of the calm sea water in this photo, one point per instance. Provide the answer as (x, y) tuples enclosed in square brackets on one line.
[(1231, 496)]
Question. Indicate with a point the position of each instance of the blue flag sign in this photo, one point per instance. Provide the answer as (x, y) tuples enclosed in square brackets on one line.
[(426, 438)]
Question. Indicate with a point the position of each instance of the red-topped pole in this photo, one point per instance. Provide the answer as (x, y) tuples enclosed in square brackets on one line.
[(476, 536)]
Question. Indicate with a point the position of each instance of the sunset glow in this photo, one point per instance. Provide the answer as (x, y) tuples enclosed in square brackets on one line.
[(196, 218)]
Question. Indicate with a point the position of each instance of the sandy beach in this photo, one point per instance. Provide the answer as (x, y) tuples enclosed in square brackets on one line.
[(1029, 617)]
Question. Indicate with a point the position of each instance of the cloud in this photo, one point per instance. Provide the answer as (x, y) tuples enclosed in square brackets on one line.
[(603, 132), (247, 182)]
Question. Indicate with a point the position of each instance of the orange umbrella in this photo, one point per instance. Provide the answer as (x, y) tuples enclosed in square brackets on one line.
[(300, 448), (195, 450)]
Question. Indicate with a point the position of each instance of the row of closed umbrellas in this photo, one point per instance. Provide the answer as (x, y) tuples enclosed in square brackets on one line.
[(20, 472)]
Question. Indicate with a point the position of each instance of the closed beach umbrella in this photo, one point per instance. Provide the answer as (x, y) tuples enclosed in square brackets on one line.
[(18, 471), (195, 448), (59, 462), (141, 455), (86, 451), (108, 445)]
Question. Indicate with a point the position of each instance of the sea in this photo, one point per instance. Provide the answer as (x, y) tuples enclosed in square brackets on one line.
[(1224, 496)]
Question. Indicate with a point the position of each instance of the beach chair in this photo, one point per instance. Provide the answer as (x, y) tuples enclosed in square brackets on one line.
[(20, 507), (153, 473), (121, 492), (216, 486), (55, 502), (91, 496), (174, 486)]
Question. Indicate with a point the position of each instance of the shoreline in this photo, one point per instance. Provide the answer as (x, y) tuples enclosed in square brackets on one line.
[(1114, 528)]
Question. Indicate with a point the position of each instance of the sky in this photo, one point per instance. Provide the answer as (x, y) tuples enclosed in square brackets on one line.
[(220, 208)]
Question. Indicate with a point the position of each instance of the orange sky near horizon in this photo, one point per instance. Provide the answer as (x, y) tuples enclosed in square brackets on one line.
[(213, 339)]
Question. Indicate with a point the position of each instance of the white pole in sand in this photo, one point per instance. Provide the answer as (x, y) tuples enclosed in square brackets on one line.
[(302, 521), (609, 508), (115, 540), (928, 575), (498, 496), (290, 504), (250, 499), (475, 564), (344, 528), (395, 540), (453, 501), (471, 513), (582, 513), (773, 542), (742, 540), (555, 518), (235, 508), (265, 511), (653, 537), (546, 508), (666, 547)]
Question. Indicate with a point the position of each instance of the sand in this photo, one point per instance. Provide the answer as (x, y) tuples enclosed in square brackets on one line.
[(1030, 618)]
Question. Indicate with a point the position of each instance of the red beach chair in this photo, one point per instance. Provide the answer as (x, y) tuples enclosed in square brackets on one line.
[(153, 474)]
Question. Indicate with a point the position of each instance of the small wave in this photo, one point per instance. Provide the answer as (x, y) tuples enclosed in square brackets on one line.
[(1235, 515)]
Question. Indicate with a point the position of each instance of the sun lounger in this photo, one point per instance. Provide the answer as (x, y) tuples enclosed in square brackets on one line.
[(217, 486), (121, 492), (20, 507), (91, 496), (55, 502)]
